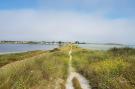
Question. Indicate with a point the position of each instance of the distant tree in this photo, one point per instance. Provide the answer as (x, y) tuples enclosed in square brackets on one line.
[(59, 42), (77, 42)]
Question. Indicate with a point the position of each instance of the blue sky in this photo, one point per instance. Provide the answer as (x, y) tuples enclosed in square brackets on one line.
[(17, 4), (115, 8), (68, 20)]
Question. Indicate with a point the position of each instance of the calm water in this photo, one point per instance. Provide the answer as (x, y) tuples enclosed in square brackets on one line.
[(102, 46), (13, 48), (7, 48)]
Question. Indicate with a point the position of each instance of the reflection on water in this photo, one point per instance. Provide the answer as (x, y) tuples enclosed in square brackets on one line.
[(4, 48)]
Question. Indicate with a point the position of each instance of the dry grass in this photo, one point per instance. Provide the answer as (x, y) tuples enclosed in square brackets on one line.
[(76, 83), (38, 73), (107, 70), (9, 58)]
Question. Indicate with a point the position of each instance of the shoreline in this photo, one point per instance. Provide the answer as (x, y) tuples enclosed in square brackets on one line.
[(2, 53)]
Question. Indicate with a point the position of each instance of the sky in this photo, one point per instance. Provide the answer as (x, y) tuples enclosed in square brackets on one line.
[(101, 21)]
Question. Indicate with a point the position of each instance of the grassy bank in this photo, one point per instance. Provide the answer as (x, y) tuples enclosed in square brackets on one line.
[(47, 71), (9, 58), (113, 69)]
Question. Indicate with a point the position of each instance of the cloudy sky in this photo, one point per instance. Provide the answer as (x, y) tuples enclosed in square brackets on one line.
[(68, 20)]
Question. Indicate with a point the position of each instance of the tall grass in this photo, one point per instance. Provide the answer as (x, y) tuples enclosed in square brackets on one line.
[(45, 72), (113, 69), (8, 58)]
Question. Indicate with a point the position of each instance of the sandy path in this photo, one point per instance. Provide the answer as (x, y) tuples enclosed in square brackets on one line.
[(83, 82)]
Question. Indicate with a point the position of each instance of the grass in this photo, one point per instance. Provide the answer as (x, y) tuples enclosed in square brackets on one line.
[(76, 83), (9, 58), (112, 69), (45, 72)]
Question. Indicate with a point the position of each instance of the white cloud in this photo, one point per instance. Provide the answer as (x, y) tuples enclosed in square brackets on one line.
[(66, 26)]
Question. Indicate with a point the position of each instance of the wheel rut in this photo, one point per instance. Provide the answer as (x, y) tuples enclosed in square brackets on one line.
[(73, 74)]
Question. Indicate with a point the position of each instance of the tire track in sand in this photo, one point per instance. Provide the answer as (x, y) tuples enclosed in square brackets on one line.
[(83, 81)]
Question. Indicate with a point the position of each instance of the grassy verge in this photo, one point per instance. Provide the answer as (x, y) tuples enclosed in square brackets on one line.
[(9, 58), (45, 72), (113, 69)]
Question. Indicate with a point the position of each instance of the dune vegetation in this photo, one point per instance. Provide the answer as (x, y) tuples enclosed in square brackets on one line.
[(112, 69), (47, 71), (9, 58)]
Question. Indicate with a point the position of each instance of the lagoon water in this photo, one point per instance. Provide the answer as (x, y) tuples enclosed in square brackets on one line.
[(103, 46), (13, 48)]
